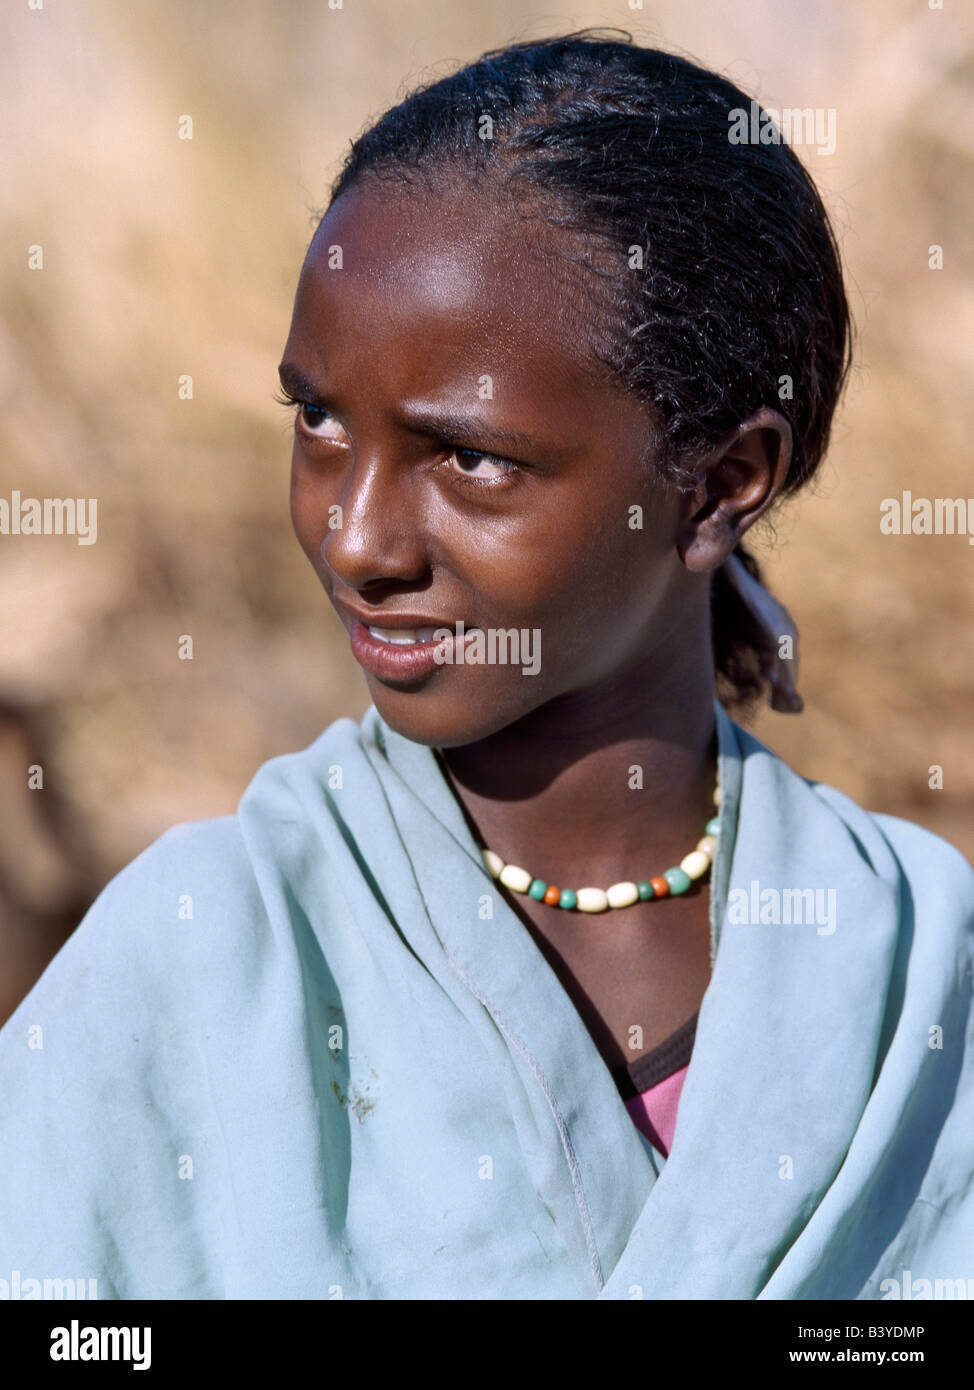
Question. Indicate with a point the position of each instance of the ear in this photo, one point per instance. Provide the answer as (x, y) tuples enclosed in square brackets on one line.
[(736, 485)]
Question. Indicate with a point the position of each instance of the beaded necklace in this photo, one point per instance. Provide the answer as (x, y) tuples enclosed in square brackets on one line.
[(671, 882)]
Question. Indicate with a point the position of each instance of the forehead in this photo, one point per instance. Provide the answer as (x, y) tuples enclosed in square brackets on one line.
[(448, 274)]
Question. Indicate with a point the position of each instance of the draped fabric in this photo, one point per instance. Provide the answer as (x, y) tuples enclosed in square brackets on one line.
[(309, 1051)]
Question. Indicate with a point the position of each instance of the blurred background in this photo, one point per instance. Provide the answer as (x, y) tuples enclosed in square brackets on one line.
[(165, 257)]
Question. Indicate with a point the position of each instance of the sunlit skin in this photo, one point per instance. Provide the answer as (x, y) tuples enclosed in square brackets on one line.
[(435, 293)]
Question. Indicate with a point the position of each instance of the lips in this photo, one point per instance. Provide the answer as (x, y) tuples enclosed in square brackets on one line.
[(401, 653)]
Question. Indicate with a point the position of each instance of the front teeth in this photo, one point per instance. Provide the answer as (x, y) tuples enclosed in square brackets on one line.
[(404, 636)]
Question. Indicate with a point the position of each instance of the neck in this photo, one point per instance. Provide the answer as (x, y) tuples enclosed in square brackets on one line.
[(610, 783)]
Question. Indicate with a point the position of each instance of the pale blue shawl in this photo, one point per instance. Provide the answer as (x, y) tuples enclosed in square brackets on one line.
[(351, 1073)]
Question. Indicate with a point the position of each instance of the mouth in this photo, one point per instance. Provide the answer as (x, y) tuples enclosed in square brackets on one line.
[(405, 654)]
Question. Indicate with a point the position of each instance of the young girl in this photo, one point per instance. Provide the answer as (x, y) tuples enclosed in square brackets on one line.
[(546, 981)]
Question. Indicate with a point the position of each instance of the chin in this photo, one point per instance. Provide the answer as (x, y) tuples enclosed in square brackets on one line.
[(440, 720)]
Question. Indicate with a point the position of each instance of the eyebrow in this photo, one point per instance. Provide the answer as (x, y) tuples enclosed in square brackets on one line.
[(464, 430), (298, 384)]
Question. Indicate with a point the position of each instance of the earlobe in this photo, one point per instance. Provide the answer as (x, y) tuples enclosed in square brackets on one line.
[(738, 484)]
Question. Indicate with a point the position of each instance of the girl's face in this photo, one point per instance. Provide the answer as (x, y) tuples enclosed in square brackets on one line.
[(458, 460)]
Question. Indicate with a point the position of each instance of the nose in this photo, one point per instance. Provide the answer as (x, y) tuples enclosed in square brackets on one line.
[(379, 534)]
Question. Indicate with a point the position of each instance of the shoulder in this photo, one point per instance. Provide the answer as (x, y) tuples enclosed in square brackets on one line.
[(818, 824), (161, 917), (199, 902), (930, 866)]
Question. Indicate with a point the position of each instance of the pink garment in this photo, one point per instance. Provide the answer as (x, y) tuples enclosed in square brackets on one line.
[(654, 1111)]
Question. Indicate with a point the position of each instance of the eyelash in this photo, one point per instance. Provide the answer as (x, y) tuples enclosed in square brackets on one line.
[(295, 405)]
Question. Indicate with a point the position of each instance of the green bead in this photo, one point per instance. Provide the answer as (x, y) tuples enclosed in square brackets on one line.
[(537, 889), (568, 898), (678, 880), (645, 891), (713, 826)]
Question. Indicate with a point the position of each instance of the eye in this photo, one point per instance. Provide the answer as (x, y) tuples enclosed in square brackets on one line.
[(318, 423), (312, 421), (469, 464)]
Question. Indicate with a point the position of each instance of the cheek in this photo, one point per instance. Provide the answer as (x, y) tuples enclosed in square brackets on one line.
[(572, 572), (309, 510)]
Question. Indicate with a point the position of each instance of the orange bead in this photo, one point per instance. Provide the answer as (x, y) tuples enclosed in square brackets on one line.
[(552, 895), (660, 887)]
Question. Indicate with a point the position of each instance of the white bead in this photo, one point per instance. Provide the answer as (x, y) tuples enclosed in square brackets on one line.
[(494, 863), (696, 864), (718, 795), (591, 900), (518, 880), (708, 845), (622, 895)]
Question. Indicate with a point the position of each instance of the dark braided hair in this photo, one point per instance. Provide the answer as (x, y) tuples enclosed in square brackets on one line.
[(626, 150)]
